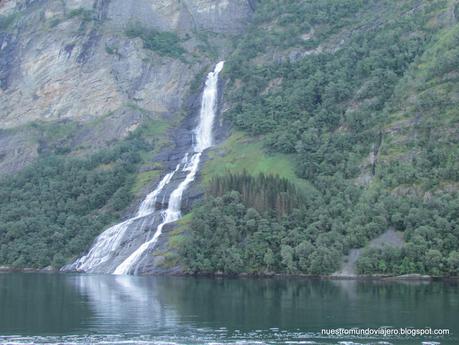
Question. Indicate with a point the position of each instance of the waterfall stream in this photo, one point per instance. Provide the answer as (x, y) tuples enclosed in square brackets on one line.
[(108, 244)]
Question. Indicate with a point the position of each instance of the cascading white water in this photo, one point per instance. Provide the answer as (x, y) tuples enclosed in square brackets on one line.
[(190, 165), (107, 246), (109, 241)]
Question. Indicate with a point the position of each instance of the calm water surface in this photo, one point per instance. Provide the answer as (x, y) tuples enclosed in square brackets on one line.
[(104, 309)]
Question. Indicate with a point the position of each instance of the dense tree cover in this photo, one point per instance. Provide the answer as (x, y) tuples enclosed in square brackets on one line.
[(228, 237), (231, 237), (313, 99), (163, 42), (262, 192), (331, 110), (431, 152), (52, 210), (431, 231), (284, 24), (368, 111)]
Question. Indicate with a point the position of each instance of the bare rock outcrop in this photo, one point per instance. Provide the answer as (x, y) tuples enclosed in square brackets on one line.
[(72, 59)]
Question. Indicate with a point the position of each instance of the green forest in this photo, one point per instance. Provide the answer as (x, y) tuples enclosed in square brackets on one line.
[(372, 123), (352, 109), (53, 210)]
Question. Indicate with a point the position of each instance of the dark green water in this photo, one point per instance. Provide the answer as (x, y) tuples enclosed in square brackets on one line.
[(87, 309)]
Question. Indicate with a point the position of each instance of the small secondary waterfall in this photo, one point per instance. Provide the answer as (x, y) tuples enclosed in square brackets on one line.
[(107, 245)]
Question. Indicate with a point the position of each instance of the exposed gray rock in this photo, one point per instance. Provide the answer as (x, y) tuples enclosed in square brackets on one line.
[(117, 124), (220, 16), (8, 58), (154, 262), (71, 61), (390, 238), (58, 63), (143, 229), (17, 150)]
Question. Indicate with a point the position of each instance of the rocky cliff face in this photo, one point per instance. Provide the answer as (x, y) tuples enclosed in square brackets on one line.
[(72, 60)]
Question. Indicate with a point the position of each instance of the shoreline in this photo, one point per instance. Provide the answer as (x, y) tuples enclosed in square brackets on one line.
[(376, 277), (414, 277)]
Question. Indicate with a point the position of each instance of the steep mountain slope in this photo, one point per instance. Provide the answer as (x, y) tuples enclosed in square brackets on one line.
[(87, 61), (96, 95), (362, 95), (353, 104)]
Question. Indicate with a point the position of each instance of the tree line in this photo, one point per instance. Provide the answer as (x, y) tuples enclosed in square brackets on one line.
[(330, 111)]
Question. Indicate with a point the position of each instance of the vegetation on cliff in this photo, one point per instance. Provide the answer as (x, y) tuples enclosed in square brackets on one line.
[(53, 210), (262, 192), (163, 42), (363, 95), (346, 116)]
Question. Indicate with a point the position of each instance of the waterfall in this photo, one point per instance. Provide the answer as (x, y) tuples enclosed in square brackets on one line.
[(109, 241), (203, 140), (107, 244)]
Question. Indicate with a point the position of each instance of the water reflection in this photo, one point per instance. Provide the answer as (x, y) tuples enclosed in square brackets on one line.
[(133, 304), (187, 310), (39, 304)]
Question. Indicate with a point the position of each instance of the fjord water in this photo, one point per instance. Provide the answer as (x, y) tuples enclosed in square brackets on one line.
[(107, 246), (110, 309)]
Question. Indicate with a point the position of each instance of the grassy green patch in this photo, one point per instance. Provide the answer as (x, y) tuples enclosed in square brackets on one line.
[(240, 153), (155, 128), (333, 111), (176, 236), (54, 137), (55, 130), (144, 178), (176, 240), (154, 131), (182, 223), (85, 14)]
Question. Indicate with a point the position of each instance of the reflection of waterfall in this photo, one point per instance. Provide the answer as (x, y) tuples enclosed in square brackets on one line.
[(76, 309), (118, 301), (109, 253)]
